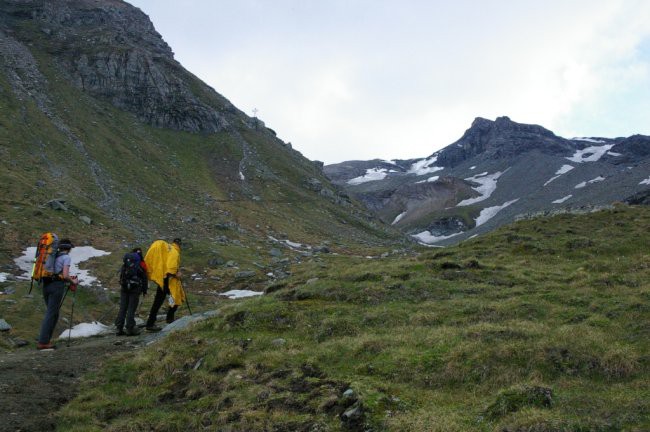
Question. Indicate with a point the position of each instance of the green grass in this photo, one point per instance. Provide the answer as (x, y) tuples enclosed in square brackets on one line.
[(517, 330)]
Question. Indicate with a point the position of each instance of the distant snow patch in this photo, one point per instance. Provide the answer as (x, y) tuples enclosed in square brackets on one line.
[(292, 245), (590, 154), (489, 212), (611, 153), (429, 180), (591, 140), (427, 238), (565, 169), (78, 254), (487, 185), (241, 176), (561, 200), (425, 166), (4, 276), (94, 328), (585, 183), (646, 181), (398, 218), (236, 294), (472, 168), (372, 174)]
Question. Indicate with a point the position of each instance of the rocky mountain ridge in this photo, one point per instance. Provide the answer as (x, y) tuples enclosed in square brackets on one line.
[(495, 171), (141, 76), (97, 113)]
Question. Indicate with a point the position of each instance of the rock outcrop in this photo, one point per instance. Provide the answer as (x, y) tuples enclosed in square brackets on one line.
[(502, 138), (141, 77)]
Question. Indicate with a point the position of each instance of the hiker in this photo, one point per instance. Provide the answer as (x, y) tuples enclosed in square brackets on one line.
[(163, 267), (133, 282), (53, 291)]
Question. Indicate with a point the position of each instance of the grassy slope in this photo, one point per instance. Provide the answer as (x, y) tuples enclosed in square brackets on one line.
[(156, 178), (542, 325)]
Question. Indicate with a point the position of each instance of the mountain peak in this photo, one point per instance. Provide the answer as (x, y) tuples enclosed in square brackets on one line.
[(501, 138)]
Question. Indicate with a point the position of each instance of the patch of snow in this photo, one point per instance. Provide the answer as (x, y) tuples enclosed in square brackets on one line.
[(487, 185), (561, 200), (472, 168), (489, 212), (590, 154), (292, 245), (241, 176), (611, 153), (236, 294), (398, 218), (585, 183), (94, 328), (591, 140), (78, 255), (429, 180), (372, 174), (563, 170), (4, 276), (425, 166), (645, 182), (427, 238)]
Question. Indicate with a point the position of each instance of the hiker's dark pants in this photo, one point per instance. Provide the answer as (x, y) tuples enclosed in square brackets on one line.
[(52, 294), (128, 305), (161, 293)]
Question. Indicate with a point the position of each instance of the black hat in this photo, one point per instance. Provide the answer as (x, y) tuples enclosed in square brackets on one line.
[(178, 241), (65, 244)]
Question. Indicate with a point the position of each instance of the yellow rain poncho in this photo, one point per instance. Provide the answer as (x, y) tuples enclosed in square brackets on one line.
[(164, 259)]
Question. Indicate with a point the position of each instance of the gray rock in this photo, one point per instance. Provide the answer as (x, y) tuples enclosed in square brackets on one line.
[(314, 184), (10, 290), (19, 342), (353, 417), (275, 252), (231, 264), (245, 274), (311, 281), (348, 394), (4, 325), (216, 262), (86, 220), (57, 204), (322, 249)]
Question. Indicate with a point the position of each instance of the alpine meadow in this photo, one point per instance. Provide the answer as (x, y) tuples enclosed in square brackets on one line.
[(499, 284)]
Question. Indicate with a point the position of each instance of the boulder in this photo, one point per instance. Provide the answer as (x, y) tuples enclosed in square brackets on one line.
[(4, 325)]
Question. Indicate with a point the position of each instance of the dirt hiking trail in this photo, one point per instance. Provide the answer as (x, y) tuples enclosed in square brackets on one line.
[(35, 384)]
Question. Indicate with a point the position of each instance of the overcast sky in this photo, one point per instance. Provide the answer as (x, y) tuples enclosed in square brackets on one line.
[(399, 79)]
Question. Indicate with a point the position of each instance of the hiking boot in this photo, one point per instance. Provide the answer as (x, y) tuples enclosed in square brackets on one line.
[(45, 346), (153, 329), (132, 331), (119, 332)]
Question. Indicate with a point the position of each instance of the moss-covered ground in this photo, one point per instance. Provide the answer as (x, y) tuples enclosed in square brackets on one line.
[(539, 326)]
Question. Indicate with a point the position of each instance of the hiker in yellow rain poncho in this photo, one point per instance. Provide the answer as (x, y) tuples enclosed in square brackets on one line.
[(163, 267)]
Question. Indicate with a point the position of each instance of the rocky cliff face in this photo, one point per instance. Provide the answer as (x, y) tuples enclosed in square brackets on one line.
[(500, 139), (141, 76)]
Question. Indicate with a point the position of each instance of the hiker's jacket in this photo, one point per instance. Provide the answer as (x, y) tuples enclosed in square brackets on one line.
[(162, 259), (173, 266)]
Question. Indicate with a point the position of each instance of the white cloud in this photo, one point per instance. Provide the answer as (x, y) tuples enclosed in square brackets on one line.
[(384, 79)]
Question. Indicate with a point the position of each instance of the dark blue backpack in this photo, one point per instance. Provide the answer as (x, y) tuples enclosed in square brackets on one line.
[(131, 272)]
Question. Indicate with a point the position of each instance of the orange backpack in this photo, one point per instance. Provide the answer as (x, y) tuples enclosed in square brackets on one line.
[(46, 252)]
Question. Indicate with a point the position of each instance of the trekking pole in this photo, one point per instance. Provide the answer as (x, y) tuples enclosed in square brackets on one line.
[(74, 297), (187, 300), (67, 288)]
